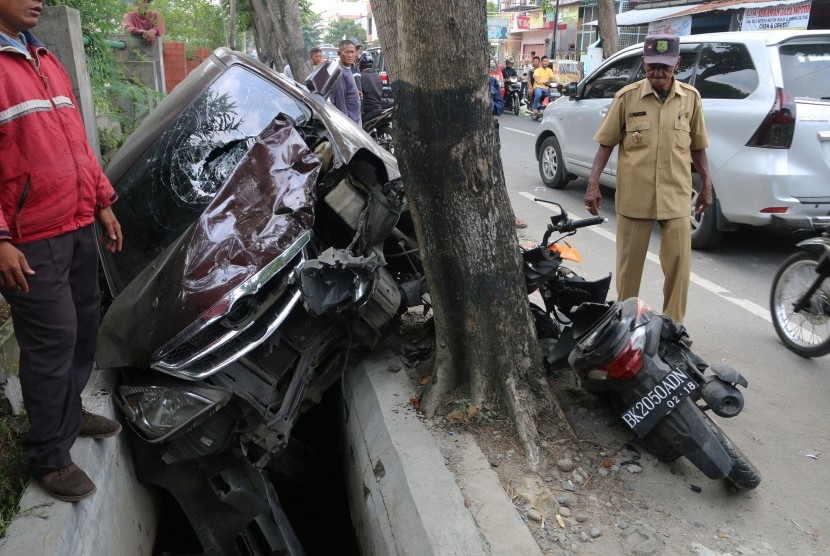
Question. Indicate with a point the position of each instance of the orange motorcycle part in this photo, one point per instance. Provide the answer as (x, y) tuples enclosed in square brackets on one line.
[(567, 251)]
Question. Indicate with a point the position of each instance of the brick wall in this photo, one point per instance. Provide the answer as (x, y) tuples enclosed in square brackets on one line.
[(176, 64)]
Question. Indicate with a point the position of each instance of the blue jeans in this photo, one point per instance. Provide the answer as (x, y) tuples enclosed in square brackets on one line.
[(537, 97)]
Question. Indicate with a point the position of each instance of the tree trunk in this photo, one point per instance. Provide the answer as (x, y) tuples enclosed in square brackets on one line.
[(285, 17), (266, 42), (232, 40), (449, 155), (607, 26)]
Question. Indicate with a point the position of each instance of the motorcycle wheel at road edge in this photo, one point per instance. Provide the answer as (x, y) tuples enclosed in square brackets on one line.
[(641, 361), (800, 298)]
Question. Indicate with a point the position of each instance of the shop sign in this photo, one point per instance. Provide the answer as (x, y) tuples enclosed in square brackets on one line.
[(793, 16), (674, 26)]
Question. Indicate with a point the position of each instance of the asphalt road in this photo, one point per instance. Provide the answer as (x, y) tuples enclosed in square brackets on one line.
[(787, 412)]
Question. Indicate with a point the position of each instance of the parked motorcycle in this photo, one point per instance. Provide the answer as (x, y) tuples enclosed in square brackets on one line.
[(512, 96), (548, 96), (800, 298), (641, 361), (379, 126)]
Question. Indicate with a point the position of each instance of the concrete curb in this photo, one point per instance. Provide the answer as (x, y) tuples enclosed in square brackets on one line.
[(119, 519), (404, 499)]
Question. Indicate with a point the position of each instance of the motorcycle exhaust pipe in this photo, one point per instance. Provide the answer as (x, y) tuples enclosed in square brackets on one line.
[(722, 398)]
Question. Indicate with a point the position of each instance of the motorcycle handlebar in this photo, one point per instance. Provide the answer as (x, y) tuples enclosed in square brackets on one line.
[(584, 223)]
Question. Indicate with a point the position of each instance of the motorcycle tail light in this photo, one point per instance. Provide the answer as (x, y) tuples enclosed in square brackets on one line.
[(629, 361), (157, 412)]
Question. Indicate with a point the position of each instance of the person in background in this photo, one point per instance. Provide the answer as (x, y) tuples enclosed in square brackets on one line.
[(534, 63), (355, 69), (658, 124), (542, 76), (144, 23), (372, 86), (52, 189), (345, 95), (523, 78), (316, 55), (286, 71)]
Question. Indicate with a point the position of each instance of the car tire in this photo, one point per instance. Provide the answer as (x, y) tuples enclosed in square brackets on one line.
[(705, 232), (551, 167)]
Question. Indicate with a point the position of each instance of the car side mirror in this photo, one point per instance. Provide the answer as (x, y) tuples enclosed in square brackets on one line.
[(323, 78), (570, 90)]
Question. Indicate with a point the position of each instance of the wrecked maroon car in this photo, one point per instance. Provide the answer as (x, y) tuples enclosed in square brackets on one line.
[(266, 244)]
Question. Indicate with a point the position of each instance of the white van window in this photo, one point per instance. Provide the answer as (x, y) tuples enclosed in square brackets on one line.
[(612, 79), (725, 70), (806, 70)]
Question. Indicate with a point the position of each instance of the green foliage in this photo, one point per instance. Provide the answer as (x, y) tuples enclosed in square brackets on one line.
[(345, 28), (116, 97), (194, 22), (312, 24), (14, 475)]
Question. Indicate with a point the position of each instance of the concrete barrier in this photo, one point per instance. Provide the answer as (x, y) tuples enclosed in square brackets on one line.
[(120, 518)]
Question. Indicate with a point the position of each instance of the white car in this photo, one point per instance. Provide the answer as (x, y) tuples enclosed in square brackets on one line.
[(766, 101)]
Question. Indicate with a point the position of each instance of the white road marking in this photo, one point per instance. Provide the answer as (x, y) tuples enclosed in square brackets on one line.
[(707, 285), (518, 131)]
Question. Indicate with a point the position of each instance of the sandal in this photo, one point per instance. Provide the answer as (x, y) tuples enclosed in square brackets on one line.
[(520, 223)]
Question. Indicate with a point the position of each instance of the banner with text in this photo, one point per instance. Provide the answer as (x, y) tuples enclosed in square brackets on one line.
[(793, 16), (497, 28), (675, 26)]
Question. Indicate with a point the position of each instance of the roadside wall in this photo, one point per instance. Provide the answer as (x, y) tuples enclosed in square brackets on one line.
[(120, 518)]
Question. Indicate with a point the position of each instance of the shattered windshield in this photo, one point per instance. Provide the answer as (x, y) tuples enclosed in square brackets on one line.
[(170, 185)]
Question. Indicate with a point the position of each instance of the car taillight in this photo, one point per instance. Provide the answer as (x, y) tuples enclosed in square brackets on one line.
[(777, 129), (384, 78)]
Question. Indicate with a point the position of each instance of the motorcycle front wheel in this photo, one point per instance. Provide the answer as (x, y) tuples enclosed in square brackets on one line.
[(806, 333), (743, 475), (516, 105)]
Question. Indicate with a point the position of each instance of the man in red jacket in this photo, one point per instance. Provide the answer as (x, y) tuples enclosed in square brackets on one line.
[(51, 190)]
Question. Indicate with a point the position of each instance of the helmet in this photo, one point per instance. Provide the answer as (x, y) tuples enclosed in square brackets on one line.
[(508, 61), (365, 61)]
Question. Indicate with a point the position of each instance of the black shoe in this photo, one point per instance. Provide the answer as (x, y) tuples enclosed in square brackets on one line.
[(69, 484), (98, 426)]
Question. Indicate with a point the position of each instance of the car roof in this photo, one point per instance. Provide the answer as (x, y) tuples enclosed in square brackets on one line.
[(765, 38)]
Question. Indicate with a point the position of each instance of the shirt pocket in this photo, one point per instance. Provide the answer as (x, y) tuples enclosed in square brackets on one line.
[(682, 134), (637, 135)]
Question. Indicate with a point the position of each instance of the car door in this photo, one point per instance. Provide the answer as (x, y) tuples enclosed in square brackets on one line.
[(583, 114)]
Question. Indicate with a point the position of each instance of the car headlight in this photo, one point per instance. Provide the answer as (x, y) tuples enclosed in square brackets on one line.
[(157, 412)]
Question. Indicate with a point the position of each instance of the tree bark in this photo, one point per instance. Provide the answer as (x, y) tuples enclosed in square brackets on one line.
[(285, 17), (449, 156), (233, 24), (264, 34), (607, 26)]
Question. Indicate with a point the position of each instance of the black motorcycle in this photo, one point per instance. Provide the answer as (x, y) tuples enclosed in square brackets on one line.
[(379, 126), (640, 360), (512, 95), (800, 298)]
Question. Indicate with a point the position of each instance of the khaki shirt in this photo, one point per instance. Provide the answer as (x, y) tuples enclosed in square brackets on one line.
[(654, 178)]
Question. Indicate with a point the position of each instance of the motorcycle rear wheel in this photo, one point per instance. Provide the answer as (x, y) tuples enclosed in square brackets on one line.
[(743, 475), (806, 333)]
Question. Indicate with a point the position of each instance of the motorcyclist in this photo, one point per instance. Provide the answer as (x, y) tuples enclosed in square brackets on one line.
[(372, 86), (542, 79), (507, 72)]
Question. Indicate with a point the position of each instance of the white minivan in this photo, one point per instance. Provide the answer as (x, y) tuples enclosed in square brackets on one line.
[(766, 101)]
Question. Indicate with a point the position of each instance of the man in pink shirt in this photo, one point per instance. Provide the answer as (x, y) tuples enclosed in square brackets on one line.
[(143, 22)]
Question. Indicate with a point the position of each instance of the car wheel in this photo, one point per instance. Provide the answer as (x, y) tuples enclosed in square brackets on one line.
[(705, 232), (550, 164)]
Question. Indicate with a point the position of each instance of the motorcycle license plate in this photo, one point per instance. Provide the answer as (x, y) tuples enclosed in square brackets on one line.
[(659, 402)]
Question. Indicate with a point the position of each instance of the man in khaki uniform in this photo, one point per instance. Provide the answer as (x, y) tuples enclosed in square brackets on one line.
[(658, 125)]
